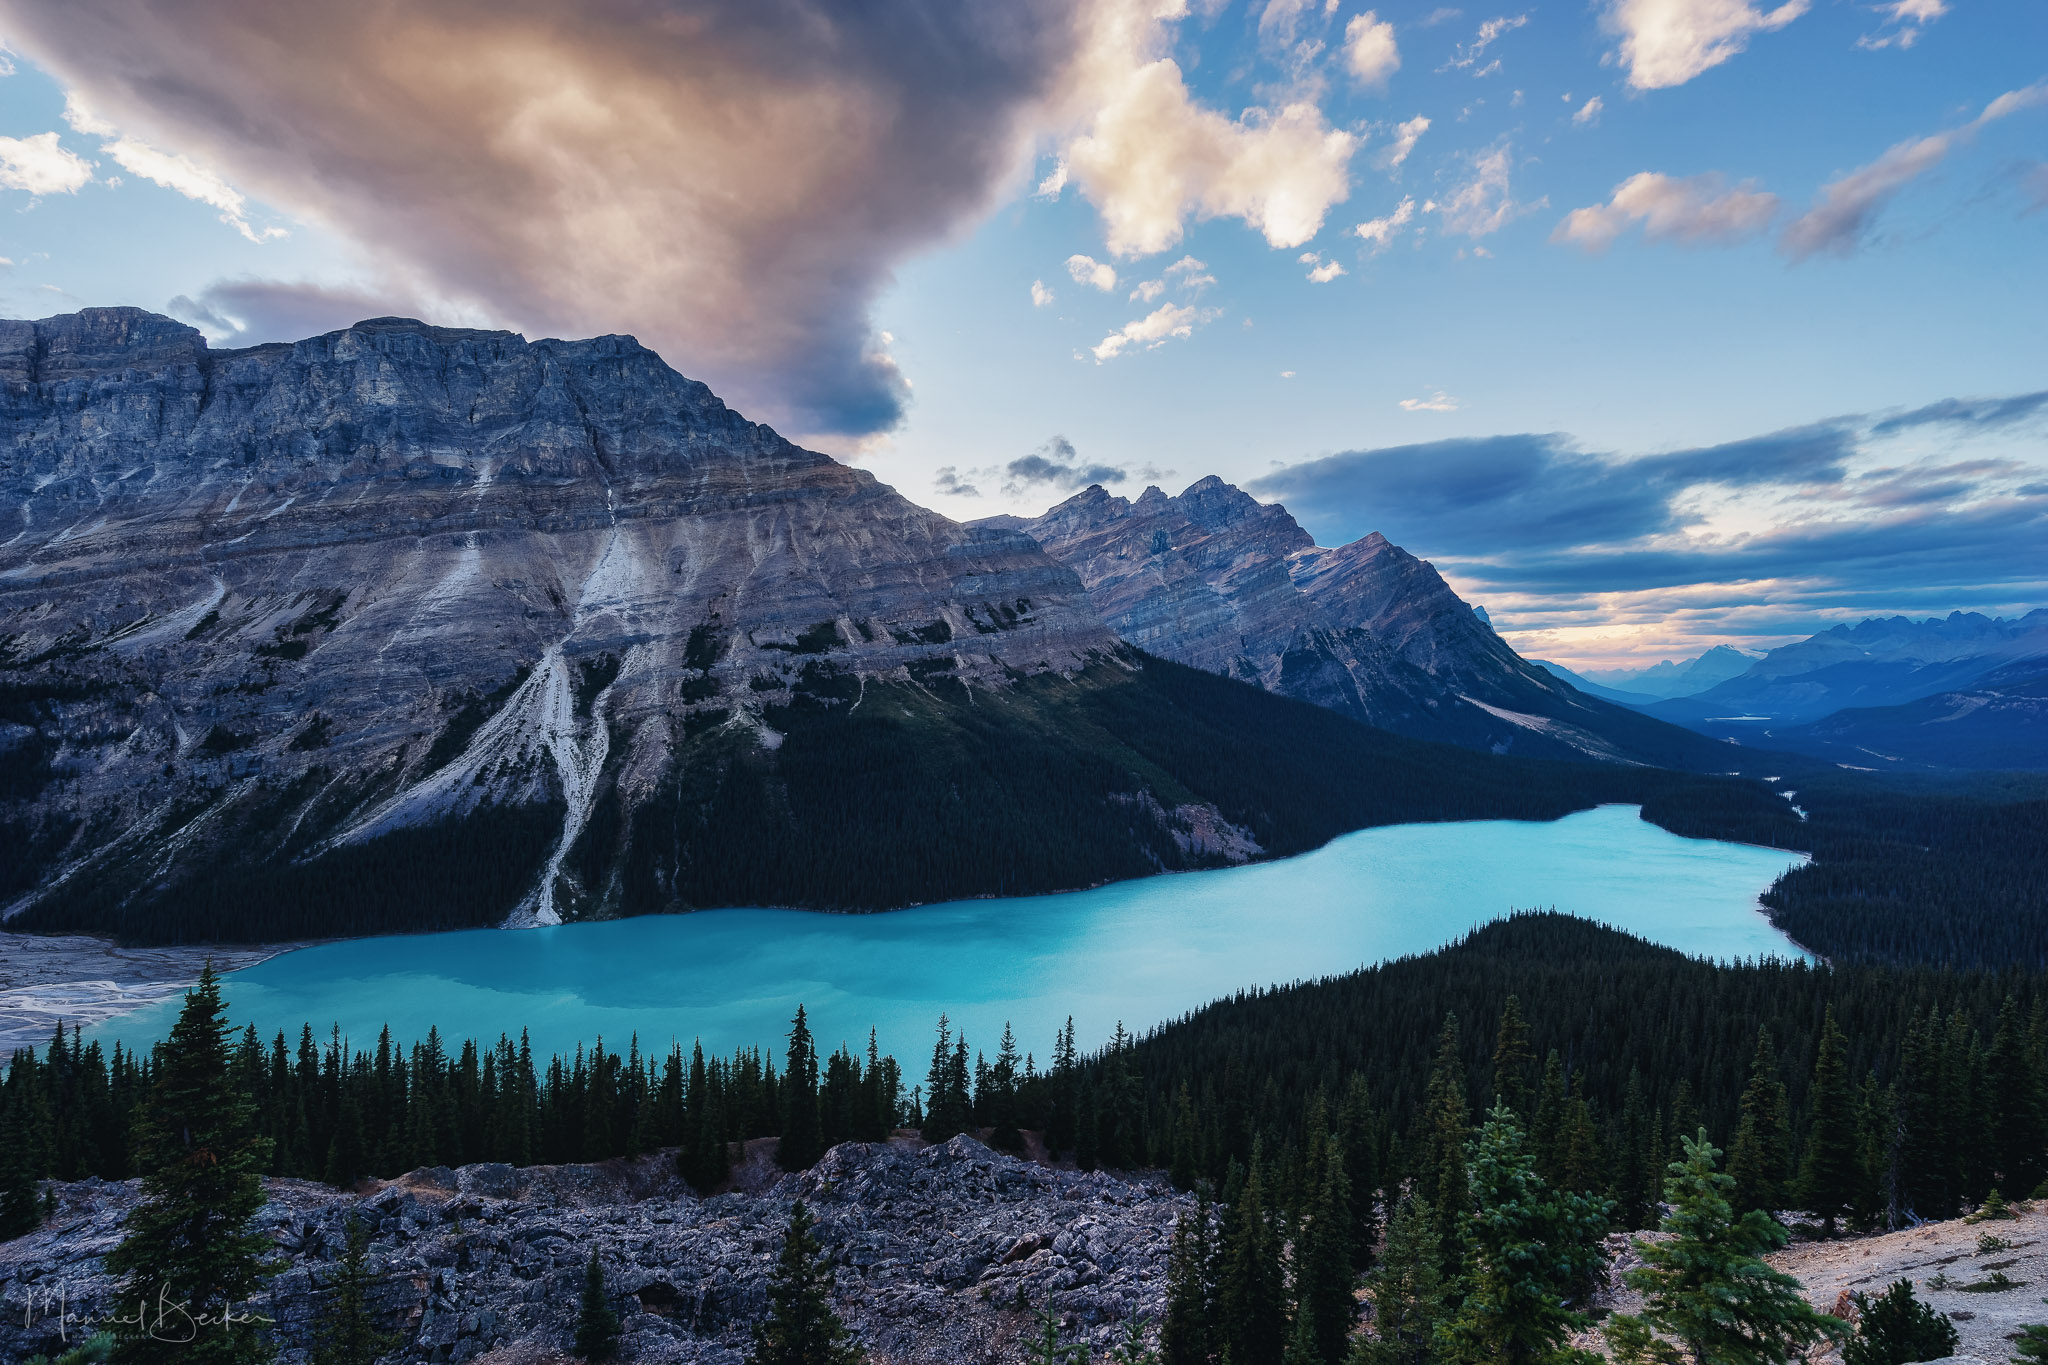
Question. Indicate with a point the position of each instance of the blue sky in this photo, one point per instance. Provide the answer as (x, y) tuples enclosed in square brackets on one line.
[(1128, 241)]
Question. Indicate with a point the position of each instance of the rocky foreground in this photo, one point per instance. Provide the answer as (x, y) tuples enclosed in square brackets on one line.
[(944, 1254)]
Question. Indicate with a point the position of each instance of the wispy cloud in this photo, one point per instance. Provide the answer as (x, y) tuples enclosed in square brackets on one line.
[(1904, 21), (1165, 323), (1040, 295), (1483, 204), (1468, 54), (1589, 112), (1091, 272), (1435, 402), (1696, 211), (1845, 209), (1380, 232), (1406, 135)]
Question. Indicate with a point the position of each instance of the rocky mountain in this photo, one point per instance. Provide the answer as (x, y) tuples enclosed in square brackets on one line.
[(1215, 579), (944, 1254), (408, 627), (1880, 662)]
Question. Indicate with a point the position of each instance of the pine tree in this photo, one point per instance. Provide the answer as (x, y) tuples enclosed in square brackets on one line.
[(1897, 1328), (1251, 1315), (2032, 1344), (1186, 1338), (1133, 1349), (1761, 1155), (1529, 1249), (945, 1096), (1830, 1173), (189, 1249), (597, 1322), (1513, 1062), (802, 1142), (348, 1331), (1406, 1293), (2016, 1138), (1546, 1128), (801, 1327), (1709, 1288)]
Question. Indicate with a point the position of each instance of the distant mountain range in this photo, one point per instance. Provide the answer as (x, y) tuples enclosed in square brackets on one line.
[(1670, 678), (407, 627), (1959, 691)]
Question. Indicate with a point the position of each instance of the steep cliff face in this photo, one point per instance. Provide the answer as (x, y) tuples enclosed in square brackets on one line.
[(318, 594), (1218, 580)]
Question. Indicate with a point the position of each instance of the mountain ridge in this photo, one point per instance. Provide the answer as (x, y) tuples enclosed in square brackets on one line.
[(405, 627), (1217, 580)]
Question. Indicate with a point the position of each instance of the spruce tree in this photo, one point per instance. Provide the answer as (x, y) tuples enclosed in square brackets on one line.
[(802, 1141), (801, 1327), (2032, 1344), (1896, 1328), (597, 1322), (348, 1330), (1441, 1178), (1761, 1155), (20, 1211), (1405, 1291), (1529, 1249), (189, 1253), (1049, 1347), (1002, 1096), (1513, 1062), (1831, 1173), (1251, 1312), (1325, 1309), (1186, 1337), (1708, 1288)]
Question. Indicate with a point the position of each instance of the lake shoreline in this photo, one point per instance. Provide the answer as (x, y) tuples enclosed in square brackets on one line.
[(85, 980)]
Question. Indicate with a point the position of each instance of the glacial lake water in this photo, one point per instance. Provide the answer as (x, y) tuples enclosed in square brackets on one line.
[(1142, 952)]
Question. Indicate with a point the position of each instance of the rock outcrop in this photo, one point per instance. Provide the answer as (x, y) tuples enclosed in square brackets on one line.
[(1218, 580), (945, 1254)]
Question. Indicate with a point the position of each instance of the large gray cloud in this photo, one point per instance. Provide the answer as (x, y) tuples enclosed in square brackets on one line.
[(1475, 495), (730, 180), (1535, 517)]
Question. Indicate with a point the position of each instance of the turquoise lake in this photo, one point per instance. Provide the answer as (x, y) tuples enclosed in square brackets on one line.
[(1141, 951)]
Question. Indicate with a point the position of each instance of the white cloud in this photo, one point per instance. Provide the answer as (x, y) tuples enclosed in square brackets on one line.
[(1287, 374), (1150, 157), (1906, 18), (1054, 182), (1590, 112), (1194, 274), (1483, 204), (1382, 231), (37, 164), (83, 120), (1668, 42), (1436, 402), (1469, 53), (1040, 295), (187, 177), (1321, 271), (1148, 290), (1370, 54), (1406, 135), (1694, 211), (1155, 329), (1091, 272), (1843, 212)]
